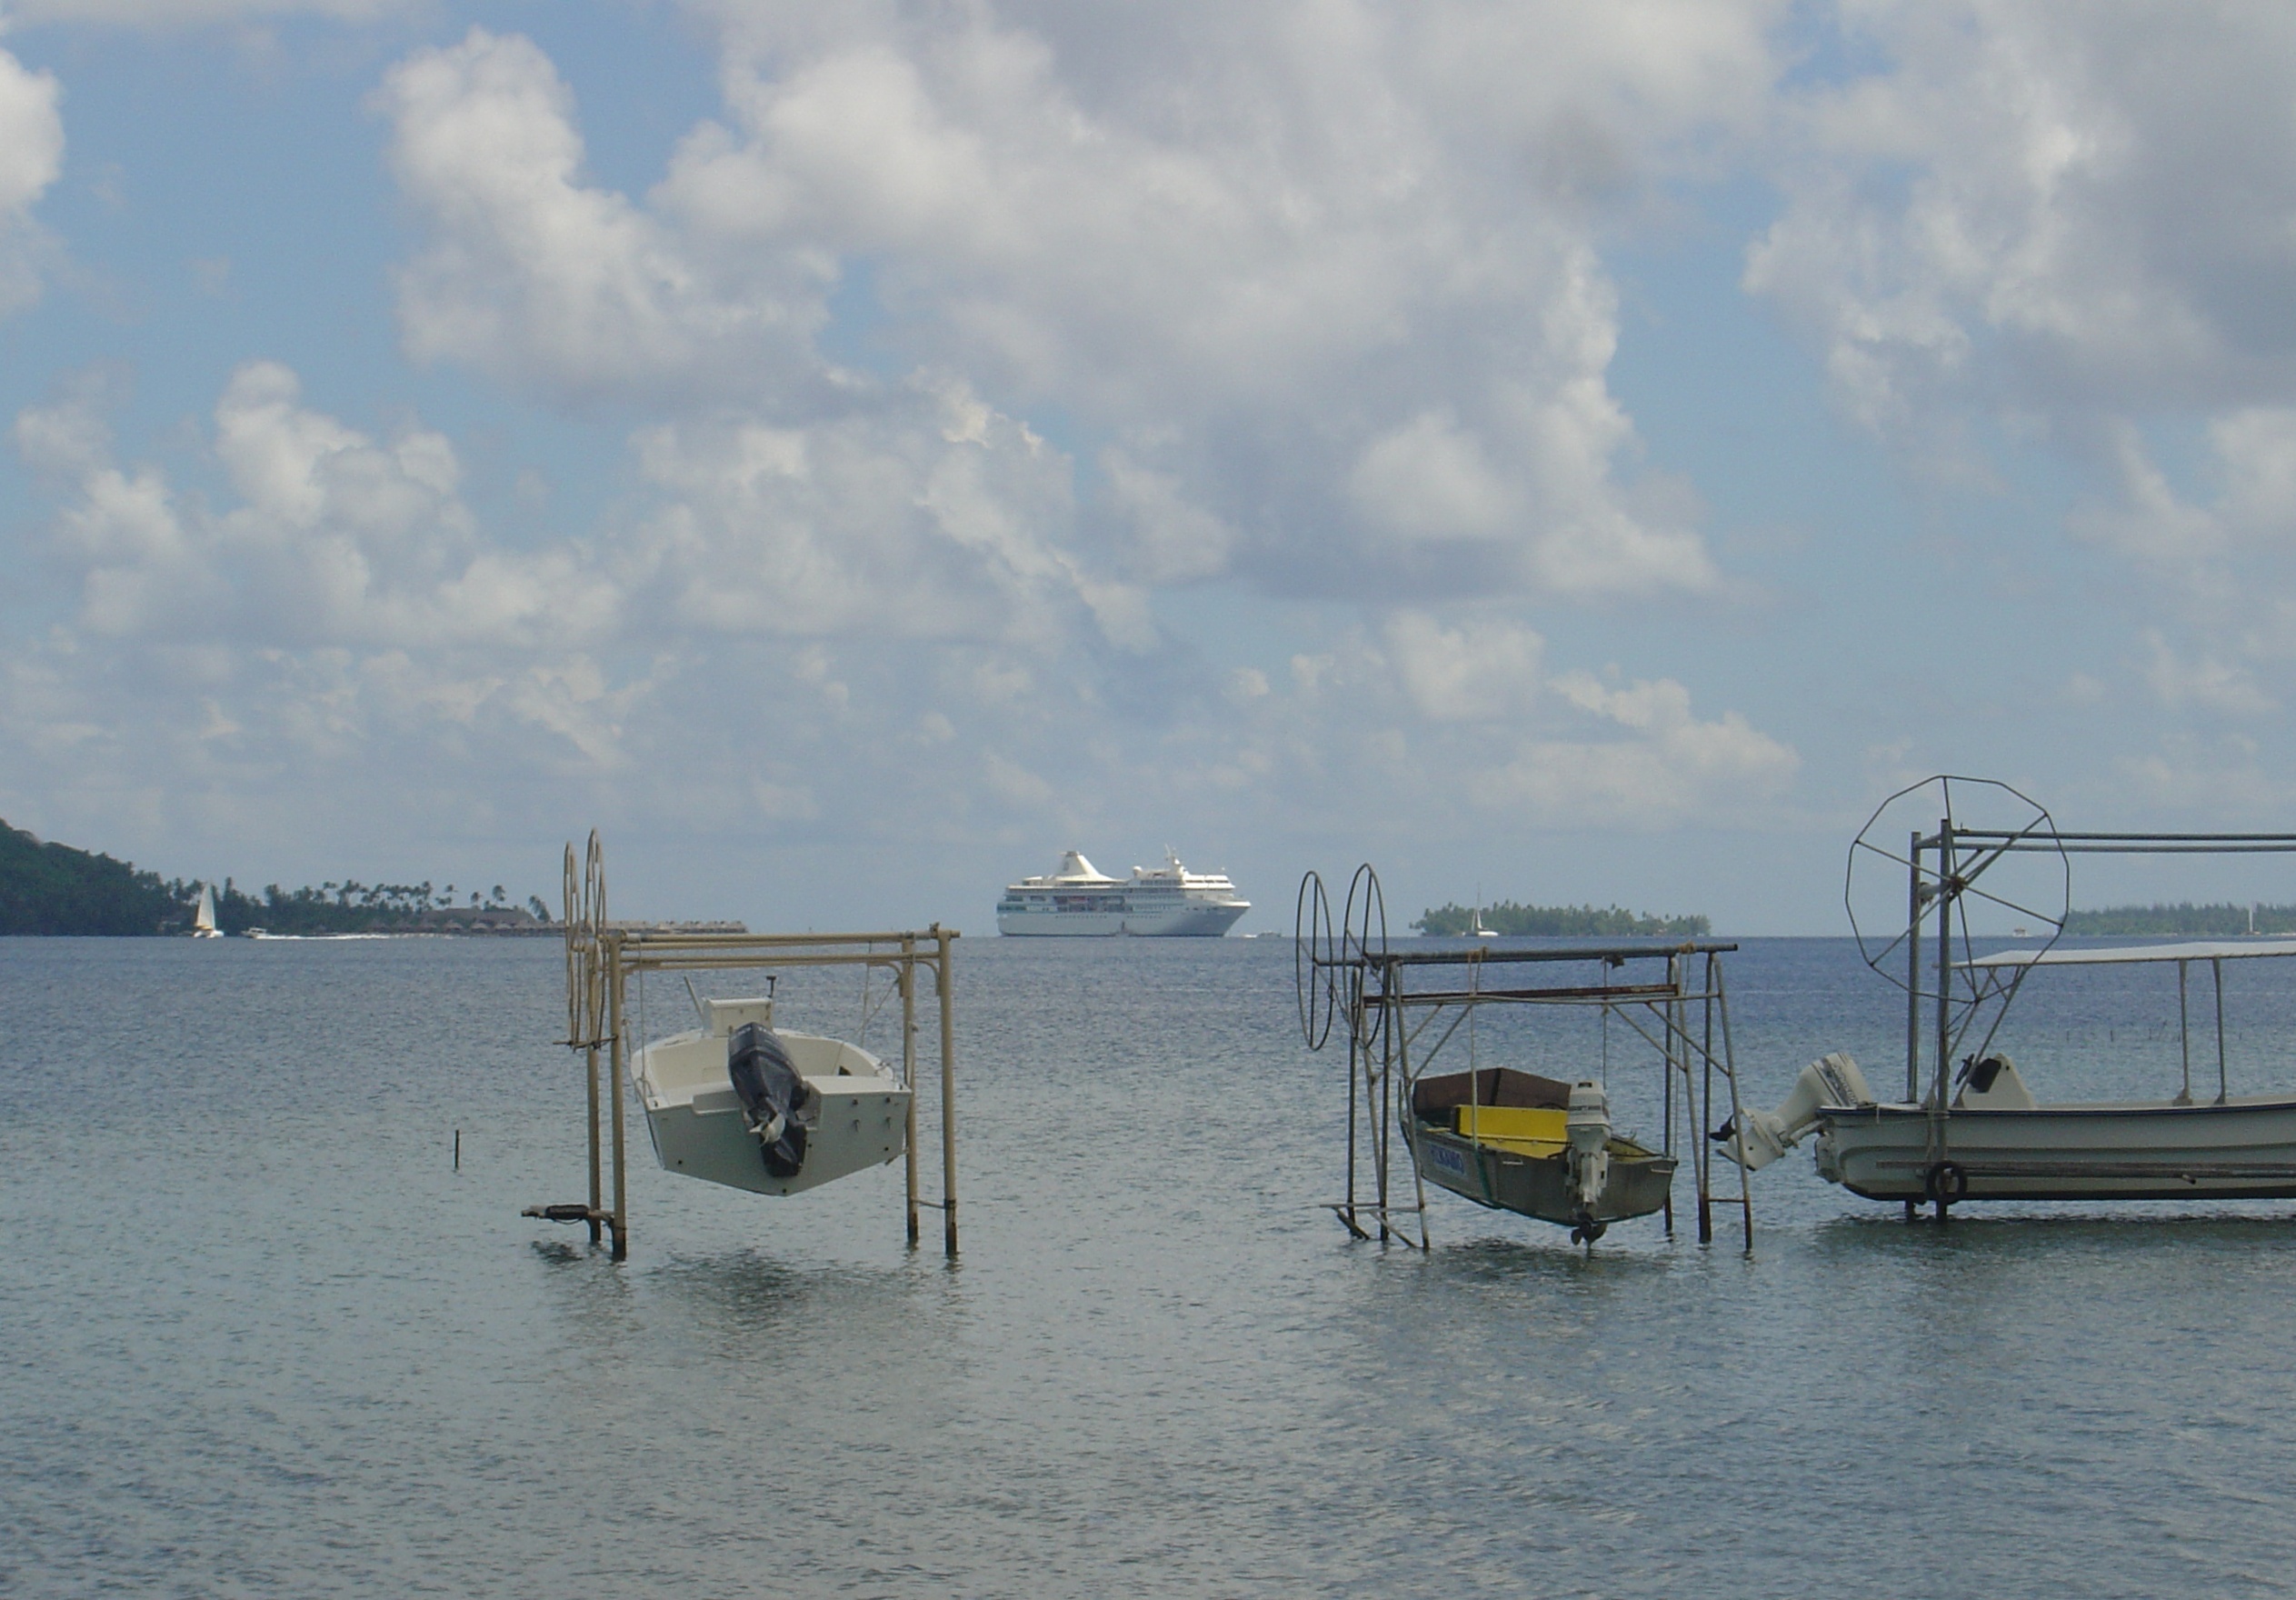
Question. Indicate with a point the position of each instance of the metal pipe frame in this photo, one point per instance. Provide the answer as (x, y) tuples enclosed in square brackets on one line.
[(1376, 988), (623, 955), (2132, 843), (1949, 879)]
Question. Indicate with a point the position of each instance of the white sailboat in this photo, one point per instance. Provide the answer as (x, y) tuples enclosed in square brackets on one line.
[(204, 919), (1476, 929)]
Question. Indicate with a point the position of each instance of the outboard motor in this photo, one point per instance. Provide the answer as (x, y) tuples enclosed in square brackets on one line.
[(1830, 1080), (778, 1103), (1587, 1125)]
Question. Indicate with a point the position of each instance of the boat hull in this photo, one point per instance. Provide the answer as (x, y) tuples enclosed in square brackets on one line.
[(2245, 1149), (1539, 1185), (699, 1130), (1203, 920)]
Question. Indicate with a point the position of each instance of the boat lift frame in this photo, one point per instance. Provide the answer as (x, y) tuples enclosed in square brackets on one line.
[(1943, 871), (601, 961), (1351, 970)]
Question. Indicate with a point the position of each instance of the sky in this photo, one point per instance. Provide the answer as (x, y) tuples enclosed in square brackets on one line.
[(850, 454)]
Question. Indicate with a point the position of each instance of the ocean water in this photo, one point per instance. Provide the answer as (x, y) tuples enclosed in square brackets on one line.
[(259, 1337)]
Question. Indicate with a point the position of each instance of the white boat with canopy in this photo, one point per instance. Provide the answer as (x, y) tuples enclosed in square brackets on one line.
[(1978, 1131)]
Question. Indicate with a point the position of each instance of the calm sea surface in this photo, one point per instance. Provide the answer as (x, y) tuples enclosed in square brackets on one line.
[(257, 1336)]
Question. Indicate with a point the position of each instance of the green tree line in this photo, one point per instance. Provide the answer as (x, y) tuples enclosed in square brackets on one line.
[(2181, 919), (50, 888), (1578, 922)]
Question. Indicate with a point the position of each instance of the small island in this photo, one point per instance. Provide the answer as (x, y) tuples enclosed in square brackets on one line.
[(1575, 922), (2183, 920)]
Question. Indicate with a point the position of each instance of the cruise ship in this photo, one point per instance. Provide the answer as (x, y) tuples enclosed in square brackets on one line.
[(1078, 898)]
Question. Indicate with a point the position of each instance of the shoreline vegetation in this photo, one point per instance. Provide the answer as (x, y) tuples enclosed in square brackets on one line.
[(1577, 922), (46, 888), (2182, 919)]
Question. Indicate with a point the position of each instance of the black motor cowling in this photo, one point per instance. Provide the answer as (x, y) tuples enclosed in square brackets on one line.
[(779, 1104)]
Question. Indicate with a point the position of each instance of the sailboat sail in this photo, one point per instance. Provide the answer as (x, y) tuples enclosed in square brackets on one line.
[(204, 919)]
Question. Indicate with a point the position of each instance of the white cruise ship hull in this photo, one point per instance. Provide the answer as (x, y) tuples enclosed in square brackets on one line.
[(1185, 922)]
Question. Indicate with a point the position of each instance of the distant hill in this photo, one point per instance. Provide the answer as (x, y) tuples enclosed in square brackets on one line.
[(49, 888), (55, 889), (2181, 919), (1578, 922)]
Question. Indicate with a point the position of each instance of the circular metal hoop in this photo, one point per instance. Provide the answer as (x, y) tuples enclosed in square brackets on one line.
[(1312, 961), (585, 927), (1362, 943), (2017, 823), (1364, 927)]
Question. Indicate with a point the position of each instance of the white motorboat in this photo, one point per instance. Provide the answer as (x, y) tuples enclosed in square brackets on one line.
[(1981, 1132), (844, 1112)]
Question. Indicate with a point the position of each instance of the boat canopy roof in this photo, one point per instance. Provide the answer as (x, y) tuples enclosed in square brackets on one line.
[(2189, 950)]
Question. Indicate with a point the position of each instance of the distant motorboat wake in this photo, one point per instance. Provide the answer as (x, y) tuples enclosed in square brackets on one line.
[(268, 936)]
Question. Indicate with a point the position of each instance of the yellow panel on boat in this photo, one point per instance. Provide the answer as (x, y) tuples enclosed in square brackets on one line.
[(1536, 1149), (1544, 1123)]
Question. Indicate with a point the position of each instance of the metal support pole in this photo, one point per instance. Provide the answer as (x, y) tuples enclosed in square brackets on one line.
[(1393, 1003), (1667, 1079), (909, 1071), (1913, 974), (598, 1178), (1737, 1119), (2185, 1033), (1678, 1046), (2223, 1089), (620, 1221), (1913, 923), (1355, 1226), (1946, 895), (948, 1093), (1385, 1118)]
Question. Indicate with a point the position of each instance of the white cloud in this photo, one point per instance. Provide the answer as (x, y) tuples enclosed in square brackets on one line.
[(1451, 723), (923, 515), (176, 13), (1428, 480), (1477, 671), (334, 539), (1312, 291), (31, 157), (1331, 287), (532, 276), (2044, 205), (1173, 540), (2207, 684), (2233, 547)]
